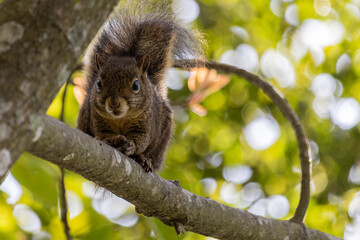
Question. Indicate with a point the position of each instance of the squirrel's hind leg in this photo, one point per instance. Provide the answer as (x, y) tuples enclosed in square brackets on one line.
[(144, 162)]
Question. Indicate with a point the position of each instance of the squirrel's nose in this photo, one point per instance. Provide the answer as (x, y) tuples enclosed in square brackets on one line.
[(114, 103)]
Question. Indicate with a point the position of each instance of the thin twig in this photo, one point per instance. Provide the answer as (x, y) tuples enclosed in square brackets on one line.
[(290, 115), (63, 202)]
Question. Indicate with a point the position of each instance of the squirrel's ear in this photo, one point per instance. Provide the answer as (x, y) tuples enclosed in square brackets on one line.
[(145, 63), (97, 61)]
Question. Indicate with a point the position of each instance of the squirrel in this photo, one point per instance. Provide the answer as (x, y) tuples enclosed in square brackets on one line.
[(126, 103)]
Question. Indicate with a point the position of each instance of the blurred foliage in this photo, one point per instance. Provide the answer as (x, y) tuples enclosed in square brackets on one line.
[(213, 155)]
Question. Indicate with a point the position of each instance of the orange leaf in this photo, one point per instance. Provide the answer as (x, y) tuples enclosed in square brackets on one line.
[(203, 82), (199, 110), (79, 89)]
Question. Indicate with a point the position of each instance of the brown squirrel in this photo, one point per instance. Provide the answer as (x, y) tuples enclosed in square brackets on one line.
[(126, 103)]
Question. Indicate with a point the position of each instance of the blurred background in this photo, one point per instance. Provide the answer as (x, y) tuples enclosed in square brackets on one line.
[(231, 143)]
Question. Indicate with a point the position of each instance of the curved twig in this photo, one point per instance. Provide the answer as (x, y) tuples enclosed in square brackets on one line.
[(290, 115)]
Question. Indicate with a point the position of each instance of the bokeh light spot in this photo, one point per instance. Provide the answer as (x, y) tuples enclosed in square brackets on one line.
[(354, 174), (26, 218), (237, 173), (229, 193), (292, 14), (322, 7), (354, 207), (322, 106), (244, 57), (259, 207), (262, 132), (240, 32), (75, 204), (276, 7), (12, 188), (343, 63), (187, 10), (276, 65), (278, 206), (215, 160), (127, 220), (251, 192), (209, 185), (175, 78), (345, 113), (323, 85), (319, 34)]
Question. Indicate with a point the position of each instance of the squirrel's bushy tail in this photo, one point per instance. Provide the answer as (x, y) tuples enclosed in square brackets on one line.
[(138, 29)]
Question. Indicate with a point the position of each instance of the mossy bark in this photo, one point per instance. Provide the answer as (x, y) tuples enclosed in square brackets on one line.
[(40, 43)]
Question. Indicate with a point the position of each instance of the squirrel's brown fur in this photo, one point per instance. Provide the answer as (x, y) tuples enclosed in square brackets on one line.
[(126, 102)]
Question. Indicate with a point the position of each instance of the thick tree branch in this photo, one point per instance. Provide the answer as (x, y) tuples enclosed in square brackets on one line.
[(290, 115), (152, 195), (40, 42)]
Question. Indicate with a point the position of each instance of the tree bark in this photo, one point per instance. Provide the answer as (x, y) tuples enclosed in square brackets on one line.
[(40, 43), (152, 195)]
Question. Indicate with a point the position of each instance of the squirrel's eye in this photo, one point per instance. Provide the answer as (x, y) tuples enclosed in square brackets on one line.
[(99, 85), (136, 86)]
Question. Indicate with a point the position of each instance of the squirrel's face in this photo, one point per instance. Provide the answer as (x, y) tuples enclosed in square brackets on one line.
[(121, 89)]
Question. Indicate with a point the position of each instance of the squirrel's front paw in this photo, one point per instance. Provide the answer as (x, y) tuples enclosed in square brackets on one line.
[(127, 148), (122, 144), (116, 141), (144, 162)]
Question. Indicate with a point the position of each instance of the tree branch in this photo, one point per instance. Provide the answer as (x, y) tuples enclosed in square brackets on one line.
[(290, 115), (152, 195)]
